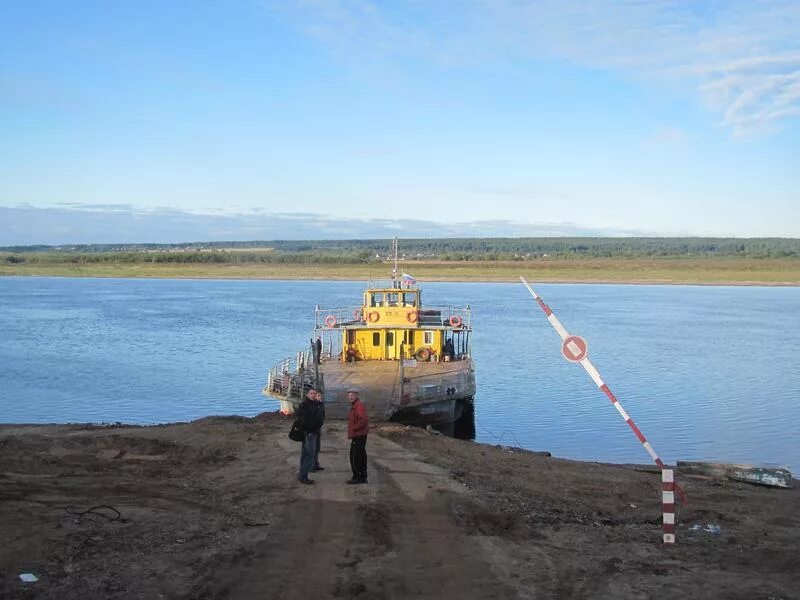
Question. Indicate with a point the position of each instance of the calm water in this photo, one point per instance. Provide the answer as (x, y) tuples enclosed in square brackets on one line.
[(706, 372)]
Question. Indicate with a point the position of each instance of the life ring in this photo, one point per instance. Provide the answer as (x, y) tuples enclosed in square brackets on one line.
[(412, 316), (423, 354), (456, 321), (374, 316), (358, 314), (330, 321)]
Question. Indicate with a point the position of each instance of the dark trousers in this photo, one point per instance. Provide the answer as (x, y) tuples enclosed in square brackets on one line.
[(307, 452), (316, 450), (358, 457)]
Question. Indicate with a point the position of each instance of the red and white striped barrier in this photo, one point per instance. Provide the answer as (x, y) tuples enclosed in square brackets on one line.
[(575, 349), (668, 505)]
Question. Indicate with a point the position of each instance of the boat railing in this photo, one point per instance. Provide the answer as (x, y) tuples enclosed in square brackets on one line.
[(430, 316), (445, 316), (390, 284), (329, 318), (292, 377)]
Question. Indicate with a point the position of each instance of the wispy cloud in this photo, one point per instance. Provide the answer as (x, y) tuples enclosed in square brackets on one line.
[(668, 137), (98, 207), (741, 57), (753, 102), (119, 224)]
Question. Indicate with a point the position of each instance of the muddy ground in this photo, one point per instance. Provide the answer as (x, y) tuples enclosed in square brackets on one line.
[(211, 509)]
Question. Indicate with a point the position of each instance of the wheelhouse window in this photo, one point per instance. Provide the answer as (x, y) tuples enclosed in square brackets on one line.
[(376, 299), (427, 338), (409, 299), (376, 338)]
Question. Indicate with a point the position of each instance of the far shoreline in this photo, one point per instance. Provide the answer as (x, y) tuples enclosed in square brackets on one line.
[(633, 282), (602, 271), (783, 284)]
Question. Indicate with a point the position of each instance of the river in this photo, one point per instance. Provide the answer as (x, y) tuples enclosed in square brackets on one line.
[(706, 372)]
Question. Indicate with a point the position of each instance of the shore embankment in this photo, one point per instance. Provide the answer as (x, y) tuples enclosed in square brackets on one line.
[(212, 509), (691, 271)]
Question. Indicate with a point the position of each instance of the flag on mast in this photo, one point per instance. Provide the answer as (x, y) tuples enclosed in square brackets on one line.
[(408, 279)]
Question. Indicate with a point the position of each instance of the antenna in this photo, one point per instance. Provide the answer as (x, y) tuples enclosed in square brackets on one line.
[(394, 271)]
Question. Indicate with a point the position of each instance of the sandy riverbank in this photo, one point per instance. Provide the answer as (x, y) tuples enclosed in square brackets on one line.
[(211, 509), (662, 271)]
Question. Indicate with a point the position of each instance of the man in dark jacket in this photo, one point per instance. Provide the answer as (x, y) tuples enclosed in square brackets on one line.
[(310, 416), (320, 398), (318, 350), (357, 429)]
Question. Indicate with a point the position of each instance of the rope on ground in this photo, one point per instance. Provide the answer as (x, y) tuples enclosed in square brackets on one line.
[(95, 510), (511, 434), (500, 439)]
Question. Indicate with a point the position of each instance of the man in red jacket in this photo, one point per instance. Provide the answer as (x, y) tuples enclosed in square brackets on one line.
[(357, 428)]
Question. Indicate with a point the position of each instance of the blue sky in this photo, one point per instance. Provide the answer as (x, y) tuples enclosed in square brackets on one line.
[(648, 117)]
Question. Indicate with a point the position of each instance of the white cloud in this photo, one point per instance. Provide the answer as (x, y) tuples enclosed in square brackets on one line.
[(741, 56)]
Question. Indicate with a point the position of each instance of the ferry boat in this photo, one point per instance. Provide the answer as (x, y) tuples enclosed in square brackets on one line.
[(410, 362)]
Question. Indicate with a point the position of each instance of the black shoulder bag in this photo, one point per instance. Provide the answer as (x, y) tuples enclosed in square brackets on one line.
[(296, 432)]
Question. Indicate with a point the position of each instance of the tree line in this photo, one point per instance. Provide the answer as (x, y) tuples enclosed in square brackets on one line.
[(366, 251)]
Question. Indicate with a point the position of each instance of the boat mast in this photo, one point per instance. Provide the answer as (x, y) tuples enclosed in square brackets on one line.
[(394, 271)]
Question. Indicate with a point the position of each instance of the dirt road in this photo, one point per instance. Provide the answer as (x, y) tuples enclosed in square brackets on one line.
[(212, 509), (392, 538)]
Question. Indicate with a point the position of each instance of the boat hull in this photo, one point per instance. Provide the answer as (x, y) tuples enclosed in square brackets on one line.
[(409, 392)]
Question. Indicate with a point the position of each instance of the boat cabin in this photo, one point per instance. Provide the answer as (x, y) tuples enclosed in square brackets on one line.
[(393, 324)]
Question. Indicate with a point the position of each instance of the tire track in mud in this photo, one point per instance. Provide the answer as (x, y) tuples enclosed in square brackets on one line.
[(433, 557), (374, 542)]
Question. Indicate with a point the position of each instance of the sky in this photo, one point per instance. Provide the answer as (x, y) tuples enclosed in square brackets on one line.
[(256, 119)]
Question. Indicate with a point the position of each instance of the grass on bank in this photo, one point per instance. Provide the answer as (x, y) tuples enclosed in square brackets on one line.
[(740, 271)]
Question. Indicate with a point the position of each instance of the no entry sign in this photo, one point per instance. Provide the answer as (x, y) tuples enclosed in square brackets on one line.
[(574, 348)]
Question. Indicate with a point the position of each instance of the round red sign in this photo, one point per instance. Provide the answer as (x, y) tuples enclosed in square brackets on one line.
[(574, 348)]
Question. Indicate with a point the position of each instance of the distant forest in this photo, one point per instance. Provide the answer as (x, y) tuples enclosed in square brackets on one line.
[(366, 251)]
